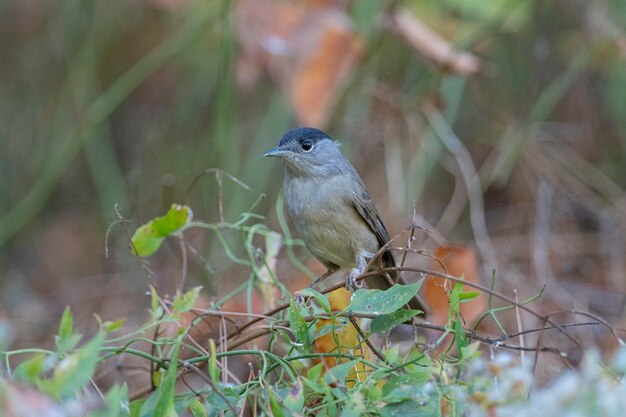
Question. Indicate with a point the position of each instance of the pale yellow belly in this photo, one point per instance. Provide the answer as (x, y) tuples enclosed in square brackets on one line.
[(332, 229)]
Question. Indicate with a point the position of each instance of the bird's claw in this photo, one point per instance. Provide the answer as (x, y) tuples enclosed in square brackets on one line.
[(352, 281), (300, 300)]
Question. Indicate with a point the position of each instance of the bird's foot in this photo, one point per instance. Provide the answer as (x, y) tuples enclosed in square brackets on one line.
[(300, 300), (352, 280)]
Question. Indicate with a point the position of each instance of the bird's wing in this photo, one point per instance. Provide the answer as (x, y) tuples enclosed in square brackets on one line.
[(364, 205)]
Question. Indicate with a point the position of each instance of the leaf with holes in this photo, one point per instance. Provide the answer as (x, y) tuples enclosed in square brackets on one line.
[(317, 296), (386, 322), (299, 328), (294, 401), (383, 302)]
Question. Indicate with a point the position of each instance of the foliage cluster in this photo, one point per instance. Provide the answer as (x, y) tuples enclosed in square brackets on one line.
[(289, 375)]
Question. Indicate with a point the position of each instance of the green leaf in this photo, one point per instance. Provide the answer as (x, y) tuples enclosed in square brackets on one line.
[(455, 299), (30, 370), (339, 372), (337, 324), (164, 406), (176, 217), (196, 408), (386, 322), (216, 405), (66, 340), (317, 296), (393, 354), (316, 387), (66, 327), (118, 397), (145, 241), (277, 410), (157, 310), (410, 409), (68, 344), (157, 377), (418, 365), (213, 369), (75, 370), (456, 295), (186, 301), (468, 296), (299, 327), (402, 387), (148, 238), (147, 407), (383, 302), (136, 407), (470, 351), (115, 401), (111, 326), (332, 405), (459, 335), (294, 401), (314, 373), (354, 406)]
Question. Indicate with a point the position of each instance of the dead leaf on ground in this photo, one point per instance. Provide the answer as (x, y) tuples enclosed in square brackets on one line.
[(458, 261)]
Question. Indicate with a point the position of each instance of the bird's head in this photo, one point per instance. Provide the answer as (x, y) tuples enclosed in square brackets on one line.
[(308, 151)]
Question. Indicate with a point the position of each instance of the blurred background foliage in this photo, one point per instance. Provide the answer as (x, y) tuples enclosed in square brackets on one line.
[(500, 122)]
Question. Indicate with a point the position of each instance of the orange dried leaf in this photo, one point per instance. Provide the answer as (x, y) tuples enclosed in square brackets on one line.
[(344, 335), (458, 261), (317, 80)]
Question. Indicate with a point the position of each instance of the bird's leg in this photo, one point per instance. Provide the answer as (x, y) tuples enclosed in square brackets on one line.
[(322, 277), (352, 280), (300, 299)]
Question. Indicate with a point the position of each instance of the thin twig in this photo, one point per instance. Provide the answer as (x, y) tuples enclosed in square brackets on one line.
[(209, 382), (519, 328), (366, 340), (470, 178), (183, 267)]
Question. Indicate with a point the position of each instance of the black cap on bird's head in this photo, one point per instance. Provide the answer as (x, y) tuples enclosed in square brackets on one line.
[(298, 141), (306, 151)]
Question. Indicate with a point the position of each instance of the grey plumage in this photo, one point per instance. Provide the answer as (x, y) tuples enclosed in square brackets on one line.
[(331, 208)]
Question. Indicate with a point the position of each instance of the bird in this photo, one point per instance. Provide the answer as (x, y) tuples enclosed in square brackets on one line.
[(332, 210)]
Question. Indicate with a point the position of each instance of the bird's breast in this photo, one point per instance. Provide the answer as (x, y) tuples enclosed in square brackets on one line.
[(325, 218)]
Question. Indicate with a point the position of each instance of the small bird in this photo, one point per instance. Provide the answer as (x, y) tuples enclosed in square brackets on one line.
[(332, 210)]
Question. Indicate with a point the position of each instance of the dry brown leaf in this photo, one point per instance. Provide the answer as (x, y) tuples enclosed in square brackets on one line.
[(318, 79), (346, 336), (458, 261)]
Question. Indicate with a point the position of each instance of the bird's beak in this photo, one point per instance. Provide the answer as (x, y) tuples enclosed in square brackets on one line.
[(276, 151)]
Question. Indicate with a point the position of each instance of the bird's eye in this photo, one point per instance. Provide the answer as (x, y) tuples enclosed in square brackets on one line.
[(307, 145)]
